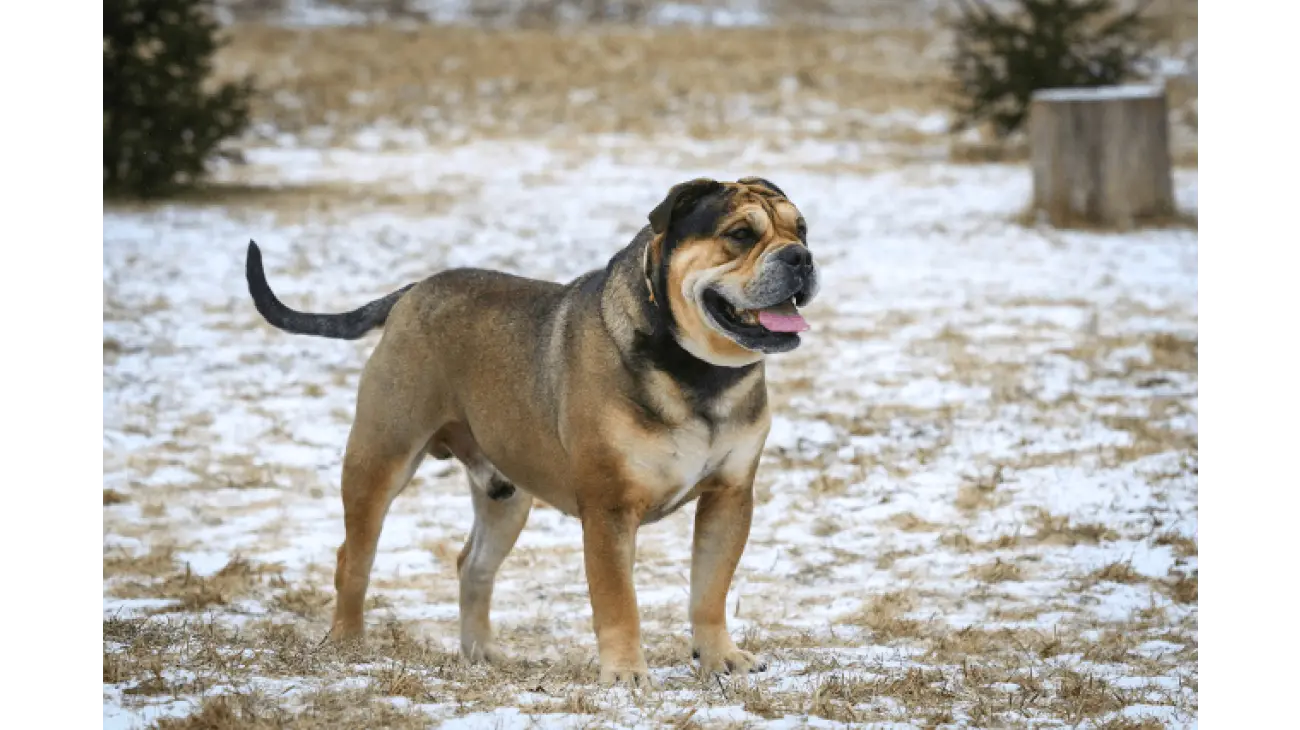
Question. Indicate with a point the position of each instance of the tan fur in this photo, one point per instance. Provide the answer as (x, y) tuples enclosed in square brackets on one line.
[(543, 399), (696, 256), (775, 220)]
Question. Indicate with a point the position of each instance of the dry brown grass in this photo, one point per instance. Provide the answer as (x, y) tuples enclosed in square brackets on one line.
[(1082, 696), (997, 571), (158, 562), (158, 574), (826, 485), (1148, 437), (1184, 546), (137, 650), (1043, 528), (909, 522), (982, 493), (1049, 529), (1116, 572), (533, 83), (324, 708), (308, 602), (402, 680), (793, 81), (1183, 588), (758, 700), (886, 560), (142, 654), (956, 647), (1169, 352), (1120, 722), (961, 542), (1114, 645), (884, 616), (838, 697), (577, 702), (114, 497), (987, 151), (826, 526)]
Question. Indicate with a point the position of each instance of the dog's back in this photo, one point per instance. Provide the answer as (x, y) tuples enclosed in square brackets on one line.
[(488, 346)]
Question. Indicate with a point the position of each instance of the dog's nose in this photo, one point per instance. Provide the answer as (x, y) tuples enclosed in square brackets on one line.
[(796, 257)]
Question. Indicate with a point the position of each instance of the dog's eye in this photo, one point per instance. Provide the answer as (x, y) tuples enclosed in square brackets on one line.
[(741, 234), (801, 228)]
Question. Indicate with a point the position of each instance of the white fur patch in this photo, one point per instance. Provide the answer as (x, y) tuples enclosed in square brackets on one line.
[(675, 462)]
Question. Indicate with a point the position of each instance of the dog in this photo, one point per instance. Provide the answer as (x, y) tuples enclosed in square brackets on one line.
[(616, 398)]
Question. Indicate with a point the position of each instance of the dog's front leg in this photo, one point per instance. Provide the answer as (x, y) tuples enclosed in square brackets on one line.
[(722, 521), (609, 550)]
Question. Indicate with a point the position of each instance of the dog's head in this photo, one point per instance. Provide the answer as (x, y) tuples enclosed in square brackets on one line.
[(732, 264)]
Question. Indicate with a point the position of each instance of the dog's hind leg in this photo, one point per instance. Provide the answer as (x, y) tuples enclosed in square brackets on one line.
[(499, 517), (382, 454), (500, 511), (369, 486)]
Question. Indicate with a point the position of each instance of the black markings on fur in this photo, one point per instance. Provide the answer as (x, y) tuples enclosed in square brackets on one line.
[(695, 653), (499, 489), (750, 407), (640, 400), (699, 220), (658, 349), (345, 326), (681, 197), (702, 383), (693, 216)]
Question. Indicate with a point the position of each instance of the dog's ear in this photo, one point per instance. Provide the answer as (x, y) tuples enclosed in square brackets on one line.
[(762, 183), (681, 197)]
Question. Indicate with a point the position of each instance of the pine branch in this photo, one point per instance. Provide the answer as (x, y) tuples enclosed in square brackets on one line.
[(999, 61)]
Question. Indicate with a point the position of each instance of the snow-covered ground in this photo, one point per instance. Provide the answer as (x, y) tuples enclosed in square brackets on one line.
[(978, 504)]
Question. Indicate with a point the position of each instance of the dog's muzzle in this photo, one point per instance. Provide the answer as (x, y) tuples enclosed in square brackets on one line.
[(764, 314), (793, 266), (789, 274)]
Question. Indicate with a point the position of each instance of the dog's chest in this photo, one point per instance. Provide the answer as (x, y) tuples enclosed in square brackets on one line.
[(672, 464)]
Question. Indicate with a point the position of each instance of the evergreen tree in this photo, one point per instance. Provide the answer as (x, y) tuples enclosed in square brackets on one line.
[(1001, 61), (161, 125)]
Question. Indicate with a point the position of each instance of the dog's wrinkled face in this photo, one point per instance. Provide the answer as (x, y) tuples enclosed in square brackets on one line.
[(734, 263)]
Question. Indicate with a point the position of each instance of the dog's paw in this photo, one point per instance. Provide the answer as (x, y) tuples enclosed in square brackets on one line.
[(637, 677), (488, 653), (351, 635), (729, 660)]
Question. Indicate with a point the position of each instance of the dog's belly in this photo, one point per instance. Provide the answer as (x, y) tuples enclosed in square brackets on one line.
[(564, 500), (552, 486)]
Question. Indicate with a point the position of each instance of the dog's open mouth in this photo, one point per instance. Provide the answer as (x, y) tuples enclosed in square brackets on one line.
[(779, 321)]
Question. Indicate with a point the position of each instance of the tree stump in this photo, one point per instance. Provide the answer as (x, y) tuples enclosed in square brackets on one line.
[(1100, 155)]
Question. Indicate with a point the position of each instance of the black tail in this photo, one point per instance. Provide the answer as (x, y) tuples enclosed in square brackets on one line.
[(346, 326)]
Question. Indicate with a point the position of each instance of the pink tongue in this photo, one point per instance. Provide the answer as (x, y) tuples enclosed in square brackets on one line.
[(782, 322)]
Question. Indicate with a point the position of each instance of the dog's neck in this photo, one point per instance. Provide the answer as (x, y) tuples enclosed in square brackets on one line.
[(646, 271), (628, 305), (636, 312)]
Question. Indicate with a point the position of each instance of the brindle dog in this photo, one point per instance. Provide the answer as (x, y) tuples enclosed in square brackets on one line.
[(616, 398)]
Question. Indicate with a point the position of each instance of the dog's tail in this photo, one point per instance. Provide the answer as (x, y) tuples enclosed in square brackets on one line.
[(345, 326)]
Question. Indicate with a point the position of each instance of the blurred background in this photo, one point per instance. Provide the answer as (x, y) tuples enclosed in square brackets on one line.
[(874, 77), (978, 502)]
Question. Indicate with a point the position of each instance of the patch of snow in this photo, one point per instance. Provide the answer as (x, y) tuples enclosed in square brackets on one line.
[(795, 435)]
